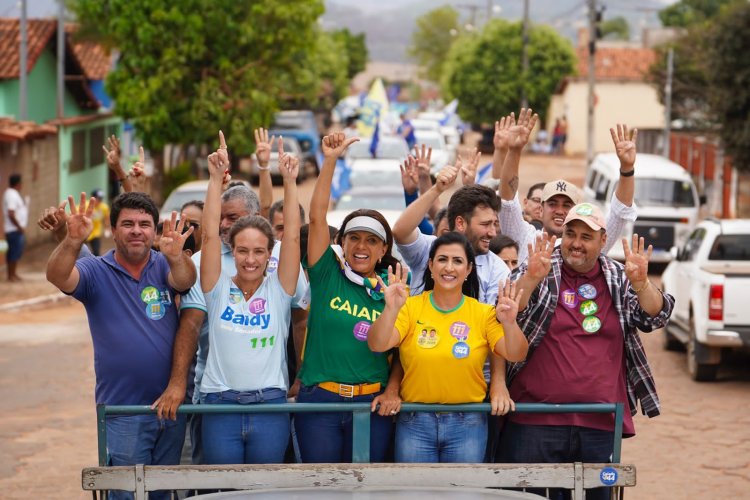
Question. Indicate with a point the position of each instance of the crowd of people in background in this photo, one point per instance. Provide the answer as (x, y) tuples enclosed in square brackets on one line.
[(235, 300)]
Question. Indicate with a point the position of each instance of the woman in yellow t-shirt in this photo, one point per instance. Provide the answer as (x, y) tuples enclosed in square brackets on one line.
[(444, 336)]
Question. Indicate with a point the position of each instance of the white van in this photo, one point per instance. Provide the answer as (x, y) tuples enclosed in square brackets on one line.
[(665, 196)]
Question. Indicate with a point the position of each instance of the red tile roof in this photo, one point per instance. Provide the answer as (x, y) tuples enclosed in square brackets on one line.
[(617, 63), (12, 130), (39, 33), (92, 57)]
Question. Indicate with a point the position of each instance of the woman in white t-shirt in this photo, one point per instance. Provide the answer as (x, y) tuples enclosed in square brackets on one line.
[(248, 318)]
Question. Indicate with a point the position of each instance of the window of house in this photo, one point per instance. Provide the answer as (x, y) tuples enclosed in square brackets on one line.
[(78, 156), (96, 141)]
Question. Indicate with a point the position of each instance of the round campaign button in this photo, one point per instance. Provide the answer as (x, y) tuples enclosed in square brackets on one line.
[(587, 291), (257, 306), (460, 330), (569, 298), (428, 338), (235, 296), (155, 310), (608, 476), (460, 350), (591, 324), (361, 329), (589, 307), (273, 265)]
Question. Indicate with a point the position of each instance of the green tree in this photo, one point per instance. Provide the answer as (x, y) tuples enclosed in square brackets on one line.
[(616, 28), (356, 50), (690, 12), (484, 71), (728, 68), (186, 70), (436, 31)]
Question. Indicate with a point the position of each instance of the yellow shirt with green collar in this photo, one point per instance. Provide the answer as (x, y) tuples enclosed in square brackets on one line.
[(443, 352)]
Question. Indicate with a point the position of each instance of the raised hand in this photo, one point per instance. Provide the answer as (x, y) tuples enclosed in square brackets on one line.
[(500, 140), (173, 239), (636, 261), (113, 153), (334, 145), (53, 218), (80, 224), (469, 171), (223, 152), (263, 146), (540, 256), (395, 292), (508, 301), (409, 175), (518, 133), (137, 172), (447, 176), (288, 165), (423, 158), (624, 142)]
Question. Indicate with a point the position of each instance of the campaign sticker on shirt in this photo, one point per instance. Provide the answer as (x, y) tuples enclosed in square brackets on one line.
[(155, 310), (150, 294), (591, 324), (587, 291), (235, 296), (361, 329), (257, 306), (589, 307), (608, 476), (460, 350), (273, 265), (165, 297), (428, 338), (460, 330), (569, 298)]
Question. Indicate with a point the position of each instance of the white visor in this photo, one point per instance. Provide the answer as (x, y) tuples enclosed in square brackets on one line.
[(365, 223)]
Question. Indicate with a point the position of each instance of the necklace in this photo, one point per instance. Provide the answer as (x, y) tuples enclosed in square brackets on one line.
[(246, 294)]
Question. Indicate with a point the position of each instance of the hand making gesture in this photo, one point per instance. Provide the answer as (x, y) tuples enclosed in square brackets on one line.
[(137, 174), (636, 261), (288, 164), (218, 162), (263, 147), (502, 135), (469, 171), (334, 145), (112, 154), (447, 176), (173, 239), (540, 256), (53, 218), (625, 145), (409, 175), (508, 301), (423, 158), (519, 132), (80, 224), (395, 292)]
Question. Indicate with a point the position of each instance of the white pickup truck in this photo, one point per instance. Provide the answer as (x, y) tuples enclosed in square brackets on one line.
[(709, 277)]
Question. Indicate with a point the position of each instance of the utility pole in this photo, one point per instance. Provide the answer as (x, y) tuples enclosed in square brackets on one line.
[(61, 59), (668, 102), (23, 63), (592, 81), (525, 54)]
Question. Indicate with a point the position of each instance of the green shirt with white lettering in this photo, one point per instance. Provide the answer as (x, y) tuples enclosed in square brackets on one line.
[(341, 313)]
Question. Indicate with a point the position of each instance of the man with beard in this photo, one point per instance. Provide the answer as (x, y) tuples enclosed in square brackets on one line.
[(581, 312), (129, 298)]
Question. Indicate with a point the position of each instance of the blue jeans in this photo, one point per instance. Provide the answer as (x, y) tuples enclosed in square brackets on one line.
[(144, 439), (554, 444), (16, 241), (441, 437), (327, 437), (245, 438)]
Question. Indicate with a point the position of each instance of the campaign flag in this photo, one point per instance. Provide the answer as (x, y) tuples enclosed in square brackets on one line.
[(484, 173), (373, 109), (449, 111), (375, 140)]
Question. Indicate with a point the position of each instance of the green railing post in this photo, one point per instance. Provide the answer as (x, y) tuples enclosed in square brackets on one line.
[(618, 432), (361, 436), (101, 430)]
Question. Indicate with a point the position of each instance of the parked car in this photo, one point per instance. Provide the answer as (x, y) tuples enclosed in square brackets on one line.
[(291, 146), (708, 278), (665, 195), (302, 126), (191, 190)]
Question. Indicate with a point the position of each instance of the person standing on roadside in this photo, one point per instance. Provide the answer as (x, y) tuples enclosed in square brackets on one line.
[(16, 214)]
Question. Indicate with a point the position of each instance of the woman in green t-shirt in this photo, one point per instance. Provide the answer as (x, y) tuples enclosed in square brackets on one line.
[(346, 297)]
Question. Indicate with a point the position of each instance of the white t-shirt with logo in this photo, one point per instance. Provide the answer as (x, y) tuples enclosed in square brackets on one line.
[(12, 200), (247, 338)]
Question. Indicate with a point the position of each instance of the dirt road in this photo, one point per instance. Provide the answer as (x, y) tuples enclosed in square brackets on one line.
[(698, 448)]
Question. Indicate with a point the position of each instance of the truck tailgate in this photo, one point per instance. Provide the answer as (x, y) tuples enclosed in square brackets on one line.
[(736, 309)]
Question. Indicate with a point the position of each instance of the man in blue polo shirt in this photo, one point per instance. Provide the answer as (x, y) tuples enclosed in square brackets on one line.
[(129, 298)]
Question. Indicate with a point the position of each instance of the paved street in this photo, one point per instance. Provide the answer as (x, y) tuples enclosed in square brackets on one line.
[(698, 448)]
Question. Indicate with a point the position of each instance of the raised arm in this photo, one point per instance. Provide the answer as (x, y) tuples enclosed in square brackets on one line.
[(383, 334), (538, 267), (469, 169), (289, 256), (405, 229), (500, 142), (61, 270), (513, 346), (55, 219), (625, 147), (211, 245), (334, 146), (263, 155), (518, 137), (113, 162), (182, 274), (636, 269), (423, 158)]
